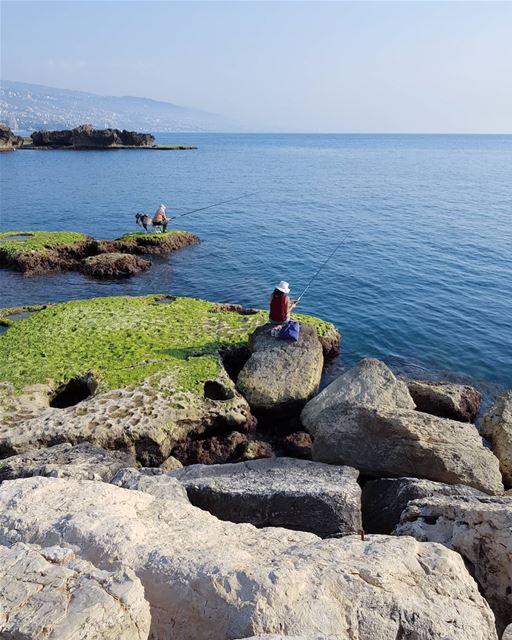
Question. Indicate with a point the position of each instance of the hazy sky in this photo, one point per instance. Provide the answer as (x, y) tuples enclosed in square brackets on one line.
[(280, 66)]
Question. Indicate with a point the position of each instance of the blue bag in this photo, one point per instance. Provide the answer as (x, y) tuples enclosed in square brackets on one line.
[(290, 331)]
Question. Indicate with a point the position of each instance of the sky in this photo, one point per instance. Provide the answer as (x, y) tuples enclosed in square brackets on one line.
[(279, 66)]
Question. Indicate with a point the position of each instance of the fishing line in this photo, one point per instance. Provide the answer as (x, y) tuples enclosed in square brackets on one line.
[(323, 264), (217, 204)]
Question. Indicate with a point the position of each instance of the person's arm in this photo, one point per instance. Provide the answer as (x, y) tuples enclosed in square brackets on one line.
[(290, 305)]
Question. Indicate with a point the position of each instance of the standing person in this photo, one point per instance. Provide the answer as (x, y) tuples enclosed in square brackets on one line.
[(280, 306), (160, 220)]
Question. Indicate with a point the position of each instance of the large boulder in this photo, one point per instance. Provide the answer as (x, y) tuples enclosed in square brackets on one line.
[(366, 419), (445, 399), (383, 500), (205, 578), (150, 418), (50, 594), (281, 375), (82, 461), (480, 529), (8, 140), (278, 492), (135, 139), (497, 426)]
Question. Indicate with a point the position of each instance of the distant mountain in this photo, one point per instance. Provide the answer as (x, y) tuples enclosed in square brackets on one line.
[(26, 107)]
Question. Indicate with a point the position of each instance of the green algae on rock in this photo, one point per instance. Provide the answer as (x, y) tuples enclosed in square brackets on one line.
[(145, 373), (123, 340), (38, 252)]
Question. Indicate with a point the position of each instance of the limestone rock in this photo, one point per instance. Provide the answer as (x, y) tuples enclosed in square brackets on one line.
[(507, 634), (148, 418), (445, 399), (281, 375), (383, 500), (497, 426), (365, 419), (82, 461), (278, 492), (8, 140), (49, 594), (171, 464), (114, 265), (206, 579), (480, 529)]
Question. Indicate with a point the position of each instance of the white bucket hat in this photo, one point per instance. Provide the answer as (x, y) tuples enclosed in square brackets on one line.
[(283, 286), (163, 206)]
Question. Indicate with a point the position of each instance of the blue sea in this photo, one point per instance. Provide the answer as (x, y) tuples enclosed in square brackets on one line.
[(424, 281)]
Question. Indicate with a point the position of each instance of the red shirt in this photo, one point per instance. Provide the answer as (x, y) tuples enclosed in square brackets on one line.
[(278, 308)]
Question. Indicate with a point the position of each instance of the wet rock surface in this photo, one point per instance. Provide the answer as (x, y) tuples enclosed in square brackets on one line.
[(445, 399), (366, 419), (278, 492), (114, 265), (281, 375), (205, 578), (497, 426), (384, 500), (50, 593), (480, 529), (82, 461)]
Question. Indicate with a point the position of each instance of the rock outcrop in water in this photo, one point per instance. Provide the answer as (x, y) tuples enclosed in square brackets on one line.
[(8, 140), (88, 137), (40, 252)]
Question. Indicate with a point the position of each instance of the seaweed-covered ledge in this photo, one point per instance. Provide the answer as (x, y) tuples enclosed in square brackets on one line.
[(147, 373), (39, 252)]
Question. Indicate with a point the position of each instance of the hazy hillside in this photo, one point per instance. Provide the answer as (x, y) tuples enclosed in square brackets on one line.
[(26, 107)]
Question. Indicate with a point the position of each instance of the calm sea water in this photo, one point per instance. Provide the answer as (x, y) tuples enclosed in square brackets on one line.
[(424, 281)]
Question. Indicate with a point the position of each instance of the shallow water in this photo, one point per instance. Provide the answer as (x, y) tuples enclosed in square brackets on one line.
[(424, 281)]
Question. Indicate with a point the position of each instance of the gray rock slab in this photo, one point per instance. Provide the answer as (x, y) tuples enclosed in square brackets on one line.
[(82, 461), (278, 492), (383, 500)]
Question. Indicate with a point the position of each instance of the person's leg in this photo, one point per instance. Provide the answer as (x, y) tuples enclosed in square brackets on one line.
[(164, 226)]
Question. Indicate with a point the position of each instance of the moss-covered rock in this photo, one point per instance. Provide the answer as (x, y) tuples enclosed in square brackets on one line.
[(125, 372), (38, 252)]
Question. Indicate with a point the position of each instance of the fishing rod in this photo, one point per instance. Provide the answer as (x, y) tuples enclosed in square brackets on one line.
[(217, 204), (323, 265)]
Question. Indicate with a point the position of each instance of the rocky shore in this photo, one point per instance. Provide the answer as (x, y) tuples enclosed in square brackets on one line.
[(169, 469), (40, 252)]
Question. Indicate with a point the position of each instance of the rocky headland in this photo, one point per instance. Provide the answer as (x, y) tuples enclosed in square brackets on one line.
[(169, 469), (40, 252)]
